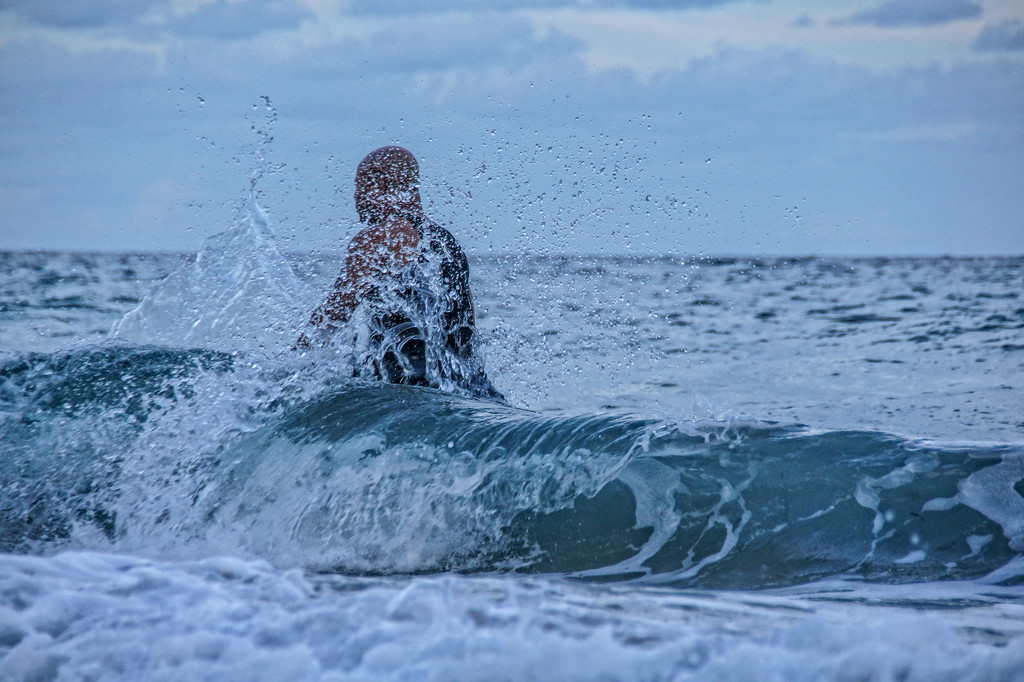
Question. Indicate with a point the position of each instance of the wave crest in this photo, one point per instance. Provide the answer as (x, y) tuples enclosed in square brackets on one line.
[(163, 452)]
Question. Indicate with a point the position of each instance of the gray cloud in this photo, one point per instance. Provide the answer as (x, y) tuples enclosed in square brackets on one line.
[(39, 67), (463, 44), (394, 7), (936, 148), (1005, 37), (400, 7), (401, 56), (218, 20), (897, 13), (225, 20), (666, 4), (79, 13)]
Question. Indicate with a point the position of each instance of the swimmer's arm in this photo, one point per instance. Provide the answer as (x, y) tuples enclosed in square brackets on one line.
[(348, 290), (370, 254)]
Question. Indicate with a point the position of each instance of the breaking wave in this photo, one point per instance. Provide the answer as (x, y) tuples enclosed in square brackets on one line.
[(170, 452)]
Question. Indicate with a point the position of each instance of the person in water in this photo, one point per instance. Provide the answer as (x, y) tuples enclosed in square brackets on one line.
[(397, 238)]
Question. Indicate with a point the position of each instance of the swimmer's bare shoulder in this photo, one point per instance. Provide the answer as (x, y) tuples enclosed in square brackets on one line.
[(374, 251), (377, 249)]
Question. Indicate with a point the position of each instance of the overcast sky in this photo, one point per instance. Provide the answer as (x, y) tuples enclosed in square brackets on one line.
[(595, 126)]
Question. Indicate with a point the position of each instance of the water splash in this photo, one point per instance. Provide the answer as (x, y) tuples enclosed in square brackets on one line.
[(239, 293)]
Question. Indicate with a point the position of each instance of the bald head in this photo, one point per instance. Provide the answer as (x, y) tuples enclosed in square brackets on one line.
[(387, 182), (394, 165)]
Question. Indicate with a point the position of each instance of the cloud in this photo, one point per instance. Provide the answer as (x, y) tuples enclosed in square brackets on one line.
[(399, 7), (394, 7), (463, 45), (84, 130), (412, 54), (898, 13), (1005, 37), (216, 19), (785, 95), (226, 20), (665, 4), (38, 67), (79, 13)]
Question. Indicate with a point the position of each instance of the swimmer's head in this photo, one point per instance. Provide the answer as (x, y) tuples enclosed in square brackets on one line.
[(387, 182)]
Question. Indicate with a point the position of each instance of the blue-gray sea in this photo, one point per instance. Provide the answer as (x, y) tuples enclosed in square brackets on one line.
[(705, 469)]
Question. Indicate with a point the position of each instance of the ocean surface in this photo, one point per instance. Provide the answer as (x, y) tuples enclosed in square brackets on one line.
[(705, 469)]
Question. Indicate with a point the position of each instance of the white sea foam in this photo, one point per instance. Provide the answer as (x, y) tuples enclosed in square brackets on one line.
[(991, 491), (94, 616)]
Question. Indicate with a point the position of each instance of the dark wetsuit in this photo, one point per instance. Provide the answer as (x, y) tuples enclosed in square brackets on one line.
[(404, 344)]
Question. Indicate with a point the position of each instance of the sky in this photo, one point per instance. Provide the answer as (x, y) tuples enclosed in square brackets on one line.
[(670, 127)]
